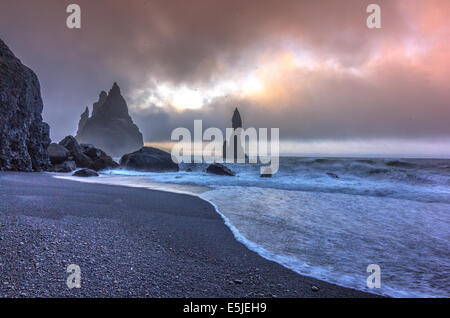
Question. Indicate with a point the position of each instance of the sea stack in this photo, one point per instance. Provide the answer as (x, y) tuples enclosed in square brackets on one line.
[(24, 137), (236, 120), (234, 144), (110, 126)]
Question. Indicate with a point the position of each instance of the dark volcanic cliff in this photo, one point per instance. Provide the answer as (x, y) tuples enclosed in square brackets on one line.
[(24, 138), (110, 127)]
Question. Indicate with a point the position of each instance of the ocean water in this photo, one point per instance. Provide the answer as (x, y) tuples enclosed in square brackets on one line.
[(390, 212)]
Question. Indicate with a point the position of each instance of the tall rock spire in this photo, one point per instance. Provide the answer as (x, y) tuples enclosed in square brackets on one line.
[(236, 120), (110, 127), (115, 89), (83, 120), (234, 145), (98, 105)]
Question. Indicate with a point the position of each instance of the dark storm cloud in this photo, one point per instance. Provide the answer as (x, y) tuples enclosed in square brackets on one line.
[(141, 43)]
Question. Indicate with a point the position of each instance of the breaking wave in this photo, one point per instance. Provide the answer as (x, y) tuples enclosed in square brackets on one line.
[(329, 218)]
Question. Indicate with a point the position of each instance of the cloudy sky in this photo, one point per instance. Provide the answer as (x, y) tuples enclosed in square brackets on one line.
[(311, 68)]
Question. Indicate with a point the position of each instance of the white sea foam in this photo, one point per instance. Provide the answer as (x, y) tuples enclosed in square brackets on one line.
[(394, 213)]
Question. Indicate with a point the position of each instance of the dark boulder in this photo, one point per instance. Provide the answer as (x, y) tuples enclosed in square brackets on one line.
[(100, 160), (85, 173), (57, 153), (103, 163), (71, 144), (332, 175), (87, 156), (24, 137), (92, 152), (149, 159), (219, 169), (66, 166)]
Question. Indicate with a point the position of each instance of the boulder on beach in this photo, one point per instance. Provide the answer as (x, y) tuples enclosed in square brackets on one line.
[(91, 151), (219, 169), (110, 126), (71, 144), (24, 137), (103, 163), (149, 159), (57, 153), (66, 166), (100, 160), (85, 173), (69, 155)]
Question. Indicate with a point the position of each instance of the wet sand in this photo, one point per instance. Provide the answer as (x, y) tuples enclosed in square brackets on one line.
[(129, 242)]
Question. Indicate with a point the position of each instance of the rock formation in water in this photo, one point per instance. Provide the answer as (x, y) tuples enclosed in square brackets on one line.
[(24, 137), (110, 126), (219, 169), (149, 159), (69, 155), (86, 173), (234, 143), (236, 120)]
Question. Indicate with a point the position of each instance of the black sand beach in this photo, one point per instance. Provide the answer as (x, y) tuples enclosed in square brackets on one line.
[(129, 242)]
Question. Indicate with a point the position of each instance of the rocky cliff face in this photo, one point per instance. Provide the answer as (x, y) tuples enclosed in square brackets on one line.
[(83, 120), (110, 127), (24, 138)]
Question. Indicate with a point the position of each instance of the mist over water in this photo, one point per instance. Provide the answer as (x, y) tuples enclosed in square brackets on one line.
[(330, 218)]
